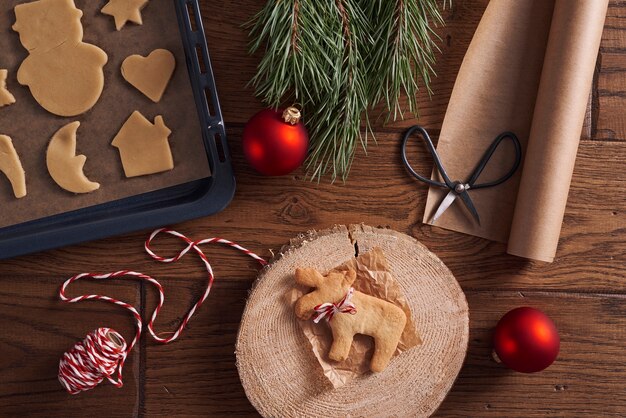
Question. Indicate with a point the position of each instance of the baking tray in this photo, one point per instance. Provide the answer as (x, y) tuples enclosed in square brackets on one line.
[(166, 206)]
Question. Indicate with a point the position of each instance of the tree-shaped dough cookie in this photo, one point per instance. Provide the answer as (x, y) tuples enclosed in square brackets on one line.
[(6, 98), (11, 166)]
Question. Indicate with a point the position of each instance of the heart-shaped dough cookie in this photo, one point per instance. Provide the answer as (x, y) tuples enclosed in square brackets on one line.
[(152, 74)]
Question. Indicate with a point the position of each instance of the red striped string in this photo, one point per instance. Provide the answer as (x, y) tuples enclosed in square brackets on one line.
[(87, 364), (104, 351), (328, 310)]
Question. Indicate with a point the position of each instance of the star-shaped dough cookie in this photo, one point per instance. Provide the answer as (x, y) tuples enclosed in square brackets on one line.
[(6, 98), (124, 11)]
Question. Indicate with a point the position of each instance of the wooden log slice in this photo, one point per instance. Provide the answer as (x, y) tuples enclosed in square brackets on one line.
[(277, 368)]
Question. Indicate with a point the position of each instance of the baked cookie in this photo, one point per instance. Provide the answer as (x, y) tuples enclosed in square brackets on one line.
[(64, 74), (349, 313)]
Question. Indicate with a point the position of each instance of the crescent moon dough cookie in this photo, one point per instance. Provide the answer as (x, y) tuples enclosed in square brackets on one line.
[(152, 74), (6, 98), (124, 11), (144, 147), (11, 166), (64, 74), (64, 166)]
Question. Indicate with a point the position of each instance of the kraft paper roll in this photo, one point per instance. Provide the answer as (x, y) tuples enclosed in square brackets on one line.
[(495, 91), (528, 69), (567, 75)]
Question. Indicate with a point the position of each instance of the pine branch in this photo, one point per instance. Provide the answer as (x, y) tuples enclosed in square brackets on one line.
[(336, 129), (404, 52), (296, 65), (337, 59)]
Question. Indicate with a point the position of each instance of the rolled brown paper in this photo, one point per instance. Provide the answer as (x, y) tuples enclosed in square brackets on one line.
[(528, 70), (566, 78), (495, 91)]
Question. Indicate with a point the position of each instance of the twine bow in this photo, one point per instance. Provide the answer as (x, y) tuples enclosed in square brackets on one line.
[(328, 310)]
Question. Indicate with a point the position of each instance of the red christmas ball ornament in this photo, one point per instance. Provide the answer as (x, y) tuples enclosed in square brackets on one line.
[(526, 340), (276, 143)]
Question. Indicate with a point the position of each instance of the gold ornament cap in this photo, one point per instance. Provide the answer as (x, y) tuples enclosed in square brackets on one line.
[(292, 115)]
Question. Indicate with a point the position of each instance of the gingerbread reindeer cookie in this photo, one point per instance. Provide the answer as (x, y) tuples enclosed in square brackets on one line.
[(350, 312), (64, 74)]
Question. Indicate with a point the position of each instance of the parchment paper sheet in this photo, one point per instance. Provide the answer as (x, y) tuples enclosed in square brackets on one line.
[(530, 64), (373, 278), (31, 127)]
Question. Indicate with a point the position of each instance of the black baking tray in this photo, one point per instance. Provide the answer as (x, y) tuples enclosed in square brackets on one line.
[(166, 206)]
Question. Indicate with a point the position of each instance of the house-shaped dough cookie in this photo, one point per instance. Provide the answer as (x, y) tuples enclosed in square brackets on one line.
[(144, 147)]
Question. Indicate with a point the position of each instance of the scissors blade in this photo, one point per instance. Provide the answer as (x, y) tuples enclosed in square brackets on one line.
[(470, 206), (444, 205)]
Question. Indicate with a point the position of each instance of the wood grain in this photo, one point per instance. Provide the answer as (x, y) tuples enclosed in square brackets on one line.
[(38, 329), (591, 254), (233, 68), (609, 118), (421, 376), (586, 379), (583, 290)]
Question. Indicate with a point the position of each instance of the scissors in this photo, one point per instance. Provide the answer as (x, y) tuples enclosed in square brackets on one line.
[(459, 189)]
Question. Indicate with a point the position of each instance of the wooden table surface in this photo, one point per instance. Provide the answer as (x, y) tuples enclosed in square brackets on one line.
[(584, 290)]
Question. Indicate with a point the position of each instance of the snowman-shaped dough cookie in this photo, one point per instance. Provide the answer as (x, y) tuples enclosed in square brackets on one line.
[(64, 74)]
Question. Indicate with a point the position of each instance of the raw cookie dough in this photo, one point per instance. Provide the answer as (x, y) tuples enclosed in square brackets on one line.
[(124, 11), (11, 166), (65, 167), (63, 73), (152, 74), (6, 98), (144, 147)]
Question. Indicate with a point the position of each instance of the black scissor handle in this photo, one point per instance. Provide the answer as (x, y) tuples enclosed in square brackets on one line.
[(431, 148), (488, 154)]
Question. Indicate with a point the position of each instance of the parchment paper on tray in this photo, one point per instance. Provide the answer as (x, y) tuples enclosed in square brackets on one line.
[(31, 127), (373, 278)]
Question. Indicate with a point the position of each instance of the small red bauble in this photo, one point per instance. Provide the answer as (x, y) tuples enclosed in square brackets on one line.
[(526, 340), (275, 143)]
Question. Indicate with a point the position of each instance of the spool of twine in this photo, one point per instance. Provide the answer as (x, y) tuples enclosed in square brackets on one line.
[(103, 352), (276, 365)]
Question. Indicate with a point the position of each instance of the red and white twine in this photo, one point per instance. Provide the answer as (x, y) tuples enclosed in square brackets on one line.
[(328, 310), (90, 361), (103, 352)]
